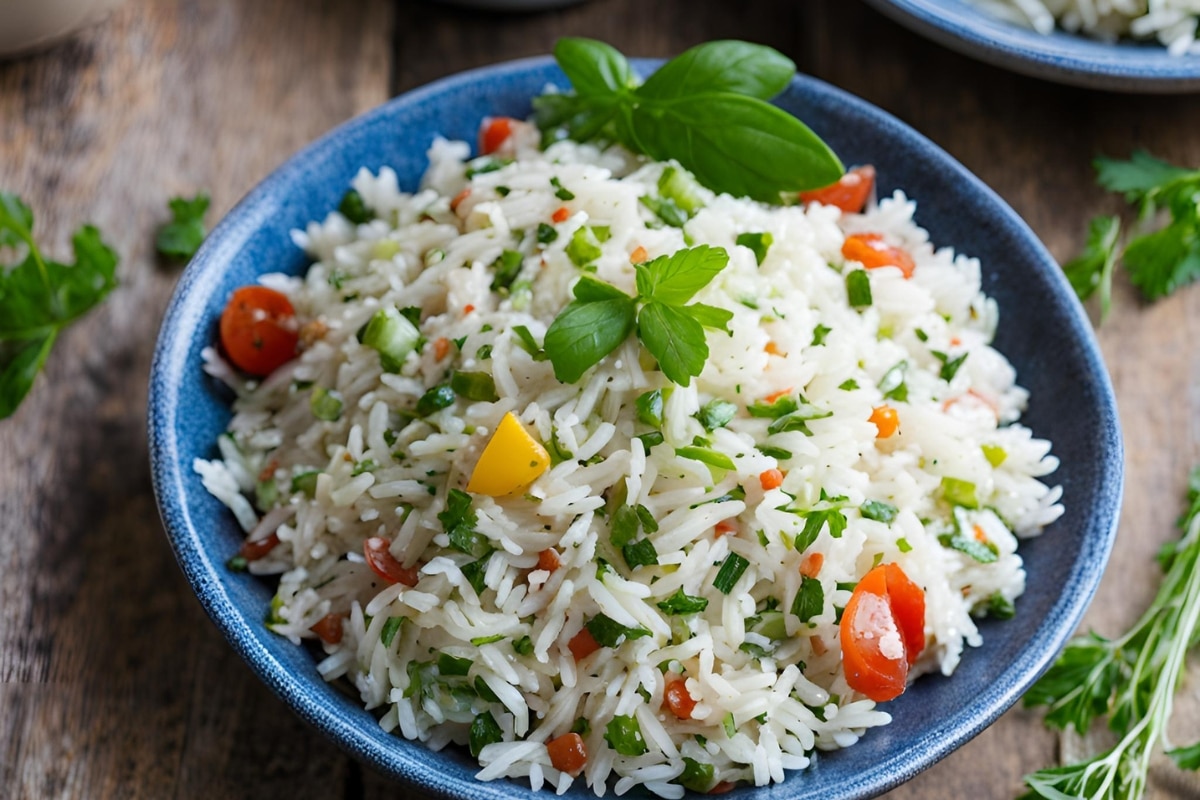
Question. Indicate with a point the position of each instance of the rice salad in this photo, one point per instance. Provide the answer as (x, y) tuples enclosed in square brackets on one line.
[(659, 571), (1172, 23)]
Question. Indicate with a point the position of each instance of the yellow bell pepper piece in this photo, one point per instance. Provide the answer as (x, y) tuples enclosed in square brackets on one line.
[(511, 460)]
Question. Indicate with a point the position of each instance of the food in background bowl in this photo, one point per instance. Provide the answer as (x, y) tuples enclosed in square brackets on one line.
[(1172, 23), (608, 477), (1070, 399)]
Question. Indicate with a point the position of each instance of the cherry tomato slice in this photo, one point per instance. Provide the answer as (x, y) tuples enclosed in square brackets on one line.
[(677, 698), (258, 330), (329, 628), (377, 551), (870, 250), (568, 753), (494, 134), (259, 548), (849, 194), (881, 634), (583, 644)]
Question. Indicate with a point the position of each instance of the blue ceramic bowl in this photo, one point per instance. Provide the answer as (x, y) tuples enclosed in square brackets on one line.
[(1072, 405), (1060, 57)]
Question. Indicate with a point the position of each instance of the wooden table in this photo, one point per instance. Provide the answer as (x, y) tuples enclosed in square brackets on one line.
[(114, 683)]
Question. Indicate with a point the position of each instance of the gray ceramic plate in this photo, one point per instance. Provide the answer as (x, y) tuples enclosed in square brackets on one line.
[(1072, 404)]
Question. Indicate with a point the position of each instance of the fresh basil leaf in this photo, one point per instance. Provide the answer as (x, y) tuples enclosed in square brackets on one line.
[(674, 339), (735, 144), (676, 278), (710, 316), (593, 67), (721, 66), (590, 290), (810, 599), (584, 333)]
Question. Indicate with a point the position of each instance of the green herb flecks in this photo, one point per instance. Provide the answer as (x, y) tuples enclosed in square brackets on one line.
[(706, 109)]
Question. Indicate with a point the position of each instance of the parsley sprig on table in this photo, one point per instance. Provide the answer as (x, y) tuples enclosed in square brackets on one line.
[(707, 109), (602, 316), (182, 236), (39, 297), (1131, 680), (1158, 261)]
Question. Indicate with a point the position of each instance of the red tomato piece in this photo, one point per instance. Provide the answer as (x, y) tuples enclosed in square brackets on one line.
[(568, 753), (253, 551), (882, 632), (258, 330), (677, 698), (378, 553), (849, 194), (583, 644), (494, 134), (329, 628), (870, 250)]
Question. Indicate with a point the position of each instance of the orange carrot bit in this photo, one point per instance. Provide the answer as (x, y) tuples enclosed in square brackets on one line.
[(494, 134), (722, 787), (886, 420), (458, 198), (955, 341), (818, 645), (638, 255), (329, 628), (980, 536), (770, 479), (468, 308), (441, 348), (811, 565), (724, 528), (548, 560), (773, 349), (870, 250), (568, 753), (771, 398), (561, 214), (583, 644)]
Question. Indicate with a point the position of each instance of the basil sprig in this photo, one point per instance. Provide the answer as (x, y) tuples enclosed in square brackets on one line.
[(602, 316), (707, 109)]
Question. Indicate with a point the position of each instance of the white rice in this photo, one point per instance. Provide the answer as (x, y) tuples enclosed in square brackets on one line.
[(786, 697), (1172, 23)]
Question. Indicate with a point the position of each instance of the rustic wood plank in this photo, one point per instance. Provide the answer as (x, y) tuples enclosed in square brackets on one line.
[(114, 683)]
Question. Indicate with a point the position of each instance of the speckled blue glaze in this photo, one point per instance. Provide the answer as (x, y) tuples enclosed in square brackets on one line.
[(1061, 57), (1045, 333)]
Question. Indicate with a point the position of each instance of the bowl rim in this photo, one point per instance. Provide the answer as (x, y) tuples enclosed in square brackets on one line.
[(1073, 59), (168, 374)]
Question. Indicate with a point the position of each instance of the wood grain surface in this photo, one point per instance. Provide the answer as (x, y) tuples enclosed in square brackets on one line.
[(113, 683)]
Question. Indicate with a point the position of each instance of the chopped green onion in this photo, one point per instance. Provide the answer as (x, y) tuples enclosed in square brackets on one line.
[(971, 547), (678, 185), (729, 725), (731, 570), (819, 334), (848, 385), (650, 408), (780, 407), (326, 404), (237, 564), (949, 365), (452, 665), (507, 267), (609, 633), (582, 726), (546, 233), (624, 735), (959, 493), (652, 439), (482, 166), (482, 640), (523, 646), (810, 600), (858, 288), (392, 335), (366, 465), (583, 248), (680, 603), (640, 554), (478, 386), (759, 244), (390, 628), (1000, 607), (354, 209), (485, 691), (777, 453), (994, 454), (562, 193), (716, 413), (696, 776), (706, 455), (484, 731), (879, 511), (666, 209), (892, 383), (903, 546), (475, 572), (305, 482), (435, 399), (266, 494)]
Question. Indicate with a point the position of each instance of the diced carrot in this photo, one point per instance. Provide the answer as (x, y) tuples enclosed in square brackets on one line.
[(253, 551), (677, 698), (770, 479), (811, 565), (329, 628), (818, 645), (773, 349), (561, 214), (494, 134), (458, 198), (955, 341), (849, 194), (583, 644), (568, 753), (887, 421), (638, 255), (548, 560), (468, 308), (725, 527), (771, 398), (441, 348), (980, 536), (870, 250)]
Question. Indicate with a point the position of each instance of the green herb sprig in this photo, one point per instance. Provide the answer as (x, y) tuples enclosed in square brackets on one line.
[(602, 317), (39, 297), (706, 108), (182, 236), (1158, 261), (1130, 680)]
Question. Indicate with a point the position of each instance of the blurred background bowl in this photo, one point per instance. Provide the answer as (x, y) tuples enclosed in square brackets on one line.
[(26, 25)]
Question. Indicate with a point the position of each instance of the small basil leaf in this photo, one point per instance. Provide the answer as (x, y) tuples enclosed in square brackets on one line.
[(722, 66), (675, 340), (584, 333)]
